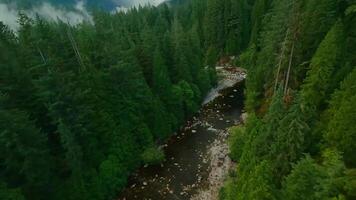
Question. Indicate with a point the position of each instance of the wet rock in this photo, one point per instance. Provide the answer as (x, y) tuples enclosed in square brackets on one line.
[(212, 129), (244, 117)]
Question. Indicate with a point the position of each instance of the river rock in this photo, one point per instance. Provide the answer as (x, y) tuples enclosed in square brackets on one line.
[(244, 117)]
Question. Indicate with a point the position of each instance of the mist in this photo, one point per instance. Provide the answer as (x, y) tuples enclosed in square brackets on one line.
[(133, 3), (76, 15)]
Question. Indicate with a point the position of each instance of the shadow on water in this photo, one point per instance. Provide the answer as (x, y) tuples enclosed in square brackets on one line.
[(186, 168)]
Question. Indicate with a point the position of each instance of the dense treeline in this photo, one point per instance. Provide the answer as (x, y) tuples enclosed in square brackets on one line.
[(83, 106), (299, 139), (80, 105)]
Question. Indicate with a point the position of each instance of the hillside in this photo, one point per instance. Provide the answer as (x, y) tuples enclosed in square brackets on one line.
[(84, 105)]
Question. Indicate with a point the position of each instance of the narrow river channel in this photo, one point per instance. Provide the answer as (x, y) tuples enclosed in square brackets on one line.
[(187, 167)]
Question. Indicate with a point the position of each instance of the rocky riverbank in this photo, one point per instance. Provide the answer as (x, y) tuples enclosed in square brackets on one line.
[(220, 164), (197, 156)]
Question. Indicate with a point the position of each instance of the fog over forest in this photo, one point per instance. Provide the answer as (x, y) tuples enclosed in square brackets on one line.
[(72, 11)]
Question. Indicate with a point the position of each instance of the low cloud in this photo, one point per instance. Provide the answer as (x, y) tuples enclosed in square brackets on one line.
[(124, 5), (78, 14), (8, 16), (132, 3)]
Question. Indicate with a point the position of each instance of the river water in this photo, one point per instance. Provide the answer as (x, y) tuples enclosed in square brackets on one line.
[(186, 169)]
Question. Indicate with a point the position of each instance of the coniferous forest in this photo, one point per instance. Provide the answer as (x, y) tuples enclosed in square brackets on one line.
[(83, 106)]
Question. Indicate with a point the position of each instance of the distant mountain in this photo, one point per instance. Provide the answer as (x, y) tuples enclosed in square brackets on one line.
[(71, 11), (104, 4), (27, 4)]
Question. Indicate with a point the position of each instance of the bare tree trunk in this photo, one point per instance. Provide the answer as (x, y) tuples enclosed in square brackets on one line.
[(42, 56), (281, 60), (289, 68), (76, 50)]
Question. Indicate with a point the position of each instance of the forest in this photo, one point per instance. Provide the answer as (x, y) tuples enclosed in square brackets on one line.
[(299, 138), (83, 106)]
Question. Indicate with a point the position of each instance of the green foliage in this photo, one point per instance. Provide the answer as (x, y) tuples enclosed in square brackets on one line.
[(255, 185), (161, 81), (236, 142), (301, 183), (299, 53), (82, 106), (323, 65), (153, 156), (10, 194), (341, 126), (308, 180), (113, 175), (203, 81)]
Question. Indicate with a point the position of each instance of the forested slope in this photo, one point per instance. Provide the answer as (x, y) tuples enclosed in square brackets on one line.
[(84, 106), (299, 139), (80, 105)]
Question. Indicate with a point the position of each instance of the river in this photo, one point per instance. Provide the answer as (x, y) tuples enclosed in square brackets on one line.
[(195, 156)]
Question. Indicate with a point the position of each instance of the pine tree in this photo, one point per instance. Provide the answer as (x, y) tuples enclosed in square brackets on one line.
[(214, 24), (341, 130), (161, 83), (301, 182), (323, 65), (182, 68), (24, 153), (290, 142)]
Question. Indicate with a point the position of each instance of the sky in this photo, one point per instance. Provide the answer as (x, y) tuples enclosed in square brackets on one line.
[(78, 14)]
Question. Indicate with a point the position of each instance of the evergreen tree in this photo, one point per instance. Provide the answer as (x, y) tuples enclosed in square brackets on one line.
[(24, 152), (341, 130), (301, 183), (161, 83)]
